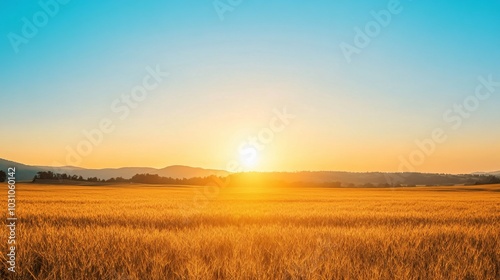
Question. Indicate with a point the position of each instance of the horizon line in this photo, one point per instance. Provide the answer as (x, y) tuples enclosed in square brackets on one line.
[(248, 171)]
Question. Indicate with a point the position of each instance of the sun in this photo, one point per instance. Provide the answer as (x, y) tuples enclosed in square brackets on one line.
[(249, 157)]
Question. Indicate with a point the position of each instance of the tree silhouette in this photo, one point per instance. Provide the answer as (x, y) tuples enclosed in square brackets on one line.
[(3, 176)]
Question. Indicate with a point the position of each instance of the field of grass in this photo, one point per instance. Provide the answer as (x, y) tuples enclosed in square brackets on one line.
[(168, 232)]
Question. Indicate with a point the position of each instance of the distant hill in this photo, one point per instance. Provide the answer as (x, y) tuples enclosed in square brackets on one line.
[(361, 178), (496, 173), (27, 172), (23, 172)]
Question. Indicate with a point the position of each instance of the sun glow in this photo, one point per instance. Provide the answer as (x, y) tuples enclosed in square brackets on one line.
[(249, 158)]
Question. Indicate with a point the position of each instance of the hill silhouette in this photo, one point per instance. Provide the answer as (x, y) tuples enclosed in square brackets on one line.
[(27, 172), (320, 178)]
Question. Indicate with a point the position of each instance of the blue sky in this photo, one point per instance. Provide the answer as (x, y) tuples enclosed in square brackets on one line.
[(226, 76)]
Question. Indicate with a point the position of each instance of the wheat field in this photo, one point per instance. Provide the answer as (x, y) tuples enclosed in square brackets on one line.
[(168, 232)]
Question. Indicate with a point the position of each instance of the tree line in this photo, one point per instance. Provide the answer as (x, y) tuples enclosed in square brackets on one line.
[(49, 175), (137, 178), (235, 179)]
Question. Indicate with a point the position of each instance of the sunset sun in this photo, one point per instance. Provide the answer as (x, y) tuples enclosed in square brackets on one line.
[(249, 158)]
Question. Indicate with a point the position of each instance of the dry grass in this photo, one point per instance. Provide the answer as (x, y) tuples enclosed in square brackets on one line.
[(152, 232)]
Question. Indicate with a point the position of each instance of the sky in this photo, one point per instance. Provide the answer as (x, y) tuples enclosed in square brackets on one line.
[(252, 85)]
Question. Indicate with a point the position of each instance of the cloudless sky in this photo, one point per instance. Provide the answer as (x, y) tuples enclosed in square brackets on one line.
[(228, 76)]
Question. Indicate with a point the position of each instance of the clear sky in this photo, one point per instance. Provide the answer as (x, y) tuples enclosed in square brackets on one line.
[(67, 67)]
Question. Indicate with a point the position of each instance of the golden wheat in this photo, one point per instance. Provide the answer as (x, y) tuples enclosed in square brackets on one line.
[(165, 232)]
